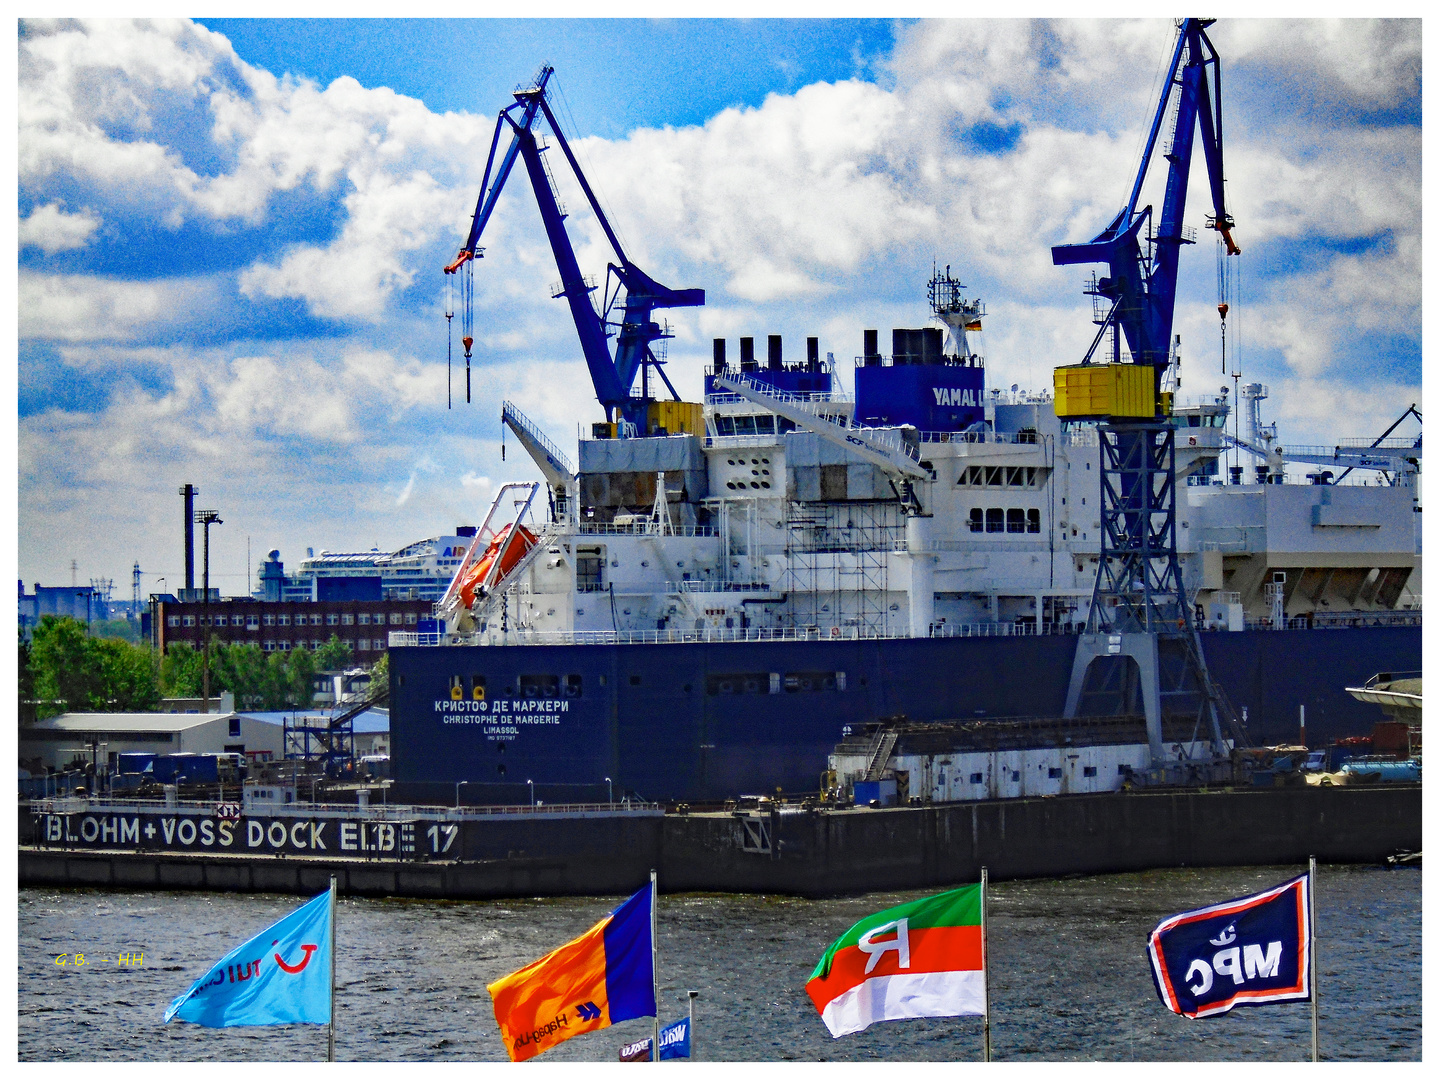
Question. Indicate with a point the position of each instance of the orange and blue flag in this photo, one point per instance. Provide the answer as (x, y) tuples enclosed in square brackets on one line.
[(604, 976)]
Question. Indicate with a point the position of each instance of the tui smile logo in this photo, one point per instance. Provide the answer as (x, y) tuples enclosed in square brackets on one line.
[(297, 968)]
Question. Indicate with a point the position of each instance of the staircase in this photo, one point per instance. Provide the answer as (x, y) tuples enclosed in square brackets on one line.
[(880, 755)]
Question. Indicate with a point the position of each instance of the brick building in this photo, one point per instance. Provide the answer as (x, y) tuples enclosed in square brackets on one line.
[(364, 625)]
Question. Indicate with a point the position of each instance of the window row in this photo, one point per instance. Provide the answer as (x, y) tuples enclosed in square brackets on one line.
[(253, 622), (996, 520), (998, 476), (359, 646)]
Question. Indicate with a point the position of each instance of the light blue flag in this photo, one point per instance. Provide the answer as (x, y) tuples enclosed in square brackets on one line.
[(280, 976)]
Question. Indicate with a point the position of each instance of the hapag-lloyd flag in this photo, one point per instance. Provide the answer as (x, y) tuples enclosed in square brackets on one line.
[(924, 958), (1254, 950)]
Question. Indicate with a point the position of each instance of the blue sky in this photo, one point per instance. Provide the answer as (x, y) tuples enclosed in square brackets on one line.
[(231, 233)]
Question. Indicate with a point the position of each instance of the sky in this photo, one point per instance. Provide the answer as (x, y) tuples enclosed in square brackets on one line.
[(231, 235)]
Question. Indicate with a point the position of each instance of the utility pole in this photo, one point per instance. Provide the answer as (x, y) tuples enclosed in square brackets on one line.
[(206, 518)]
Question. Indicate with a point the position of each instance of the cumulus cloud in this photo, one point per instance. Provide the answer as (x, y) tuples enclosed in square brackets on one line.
[(979, 144), (51, 229), (75, 308)]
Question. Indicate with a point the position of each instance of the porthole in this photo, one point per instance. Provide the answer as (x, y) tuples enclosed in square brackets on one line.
[(754, 483), (754, 461), (764, 483), (764, 461)]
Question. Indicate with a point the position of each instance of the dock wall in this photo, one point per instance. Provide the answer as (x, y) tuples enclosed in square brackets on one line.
[(807, 853)]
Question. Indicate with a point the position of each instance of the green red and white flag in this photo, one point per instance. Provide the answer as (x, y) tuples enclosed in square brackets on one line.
[(924, 958)]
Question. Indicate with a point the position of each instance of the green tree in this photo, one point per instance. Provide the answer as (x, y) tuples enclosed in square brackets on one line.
[(301, 677), (25, 682), (334, 655), (75, 672), (180, 671), (380, 675), (127, 676), (66, 676), (124, 629)]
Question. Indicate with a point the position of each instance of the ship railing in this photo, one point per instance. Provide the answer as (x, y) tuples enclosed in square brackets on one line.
[(723, 398), (1004, 629), (383, 812), (642, 528), (1343, 620), (404, 637), (712, 585), (1081, 436), (1017, 438), (723, 441)]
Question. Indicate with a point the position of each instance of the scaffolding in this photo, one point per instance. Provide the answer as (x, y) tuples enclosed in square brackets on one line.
[(838, 559)]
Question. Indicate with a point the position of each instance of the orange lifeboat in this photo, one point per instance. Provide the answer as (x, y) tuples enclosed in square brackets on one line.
[(476, 575)]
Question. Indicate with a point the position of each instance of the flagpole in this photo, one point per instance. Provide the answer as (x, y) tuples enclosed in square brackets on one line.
[(654, 974), (331, 1055), (985, 952), (1314, 974), (693, 995)]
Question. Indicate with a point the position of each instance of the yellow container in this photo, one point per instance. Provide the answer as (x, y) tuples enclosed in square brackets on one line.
[(1167, 402), (1095, 391), (678, 417), (602, 430)]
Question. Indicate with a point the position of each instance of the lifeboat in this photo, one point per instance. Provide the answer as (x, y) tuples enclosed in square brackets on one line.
[(479, 572)]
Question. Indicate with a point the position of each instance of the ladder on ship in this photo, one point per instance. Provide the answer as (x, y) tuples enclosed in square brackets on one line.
[(880, 756)]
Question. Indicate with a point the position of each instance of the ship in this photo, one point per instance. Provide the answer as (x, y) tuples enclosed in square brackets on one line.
[(717, 595)]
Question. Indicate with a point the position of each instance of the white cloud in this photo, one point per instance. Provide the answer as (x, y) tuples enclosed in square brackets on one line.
[(79, 308), (51, 229), (815, 212)]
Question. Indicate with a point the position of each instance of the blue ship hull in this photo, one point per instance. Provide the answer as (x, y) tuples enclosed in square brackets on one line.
[(704, 722)]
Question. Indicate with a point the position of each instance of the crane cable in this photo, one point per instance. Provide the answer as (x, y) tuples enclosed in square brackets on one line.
[(449, 336), (467, 317)]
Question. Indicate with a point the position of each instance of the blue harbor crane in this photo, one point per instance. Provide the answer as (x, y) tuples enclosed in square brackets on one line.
[(1139, 609), (636, 330)]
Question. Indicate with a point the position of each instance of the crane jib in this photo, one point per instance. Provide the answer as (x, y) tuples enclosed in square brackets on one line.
[(613, 377)]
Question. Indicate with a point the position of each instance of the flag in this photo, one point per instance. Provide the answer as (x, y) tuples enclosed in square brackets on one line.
[(280, 976), (1250, 951), (924, 958), (604, 976), (674, 1043)]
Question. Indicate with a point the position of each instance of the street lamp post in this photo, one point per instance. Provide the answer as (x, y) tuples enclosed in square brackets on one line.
[(206, 518), (532, 793), (458, 786), (610, 788)]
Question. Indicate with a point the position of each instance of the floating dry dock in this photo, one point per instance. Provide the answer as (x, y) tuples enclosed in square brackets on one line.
[(436, 853)]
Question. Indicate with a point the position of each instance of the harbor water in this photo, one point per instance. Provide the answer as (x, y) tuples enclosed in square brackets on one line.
[(1069, 975)]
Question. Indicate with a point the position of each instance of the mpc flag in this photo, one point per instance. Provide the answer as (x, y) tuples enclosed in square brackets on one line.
[(924, 958), (1250, 951), (604, 976), (280, 976)]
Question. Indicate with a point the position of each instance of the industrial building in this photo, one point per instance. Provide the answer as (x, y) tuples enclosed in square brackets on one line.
[(95, 738), (81, 602), (363, 625)]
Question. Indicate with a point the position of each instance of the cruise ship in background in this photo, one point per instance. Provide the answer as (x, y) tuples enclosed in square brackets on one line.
[(418, 571)]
